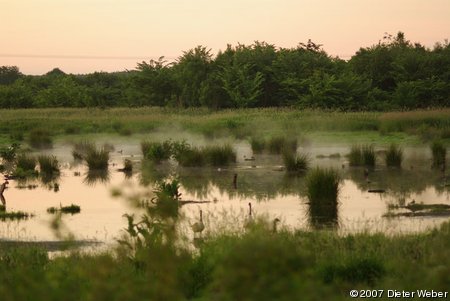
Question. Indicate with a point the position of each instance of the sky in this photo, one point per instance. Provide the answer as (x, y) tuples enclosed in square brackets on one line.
[(83, 36)]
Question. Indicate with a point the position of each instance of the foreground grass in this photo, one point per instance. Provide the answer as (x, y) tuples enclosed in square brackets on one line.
[(265, 123), (257, 265)]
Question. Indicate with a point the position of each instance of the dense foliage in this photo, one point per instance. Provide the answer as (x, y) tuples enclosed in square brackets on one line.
[(393, 74)]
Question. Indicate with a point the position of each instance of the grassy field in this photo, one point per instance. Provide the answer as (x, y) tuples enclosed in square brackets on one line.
[(256, 265), (388, 127)]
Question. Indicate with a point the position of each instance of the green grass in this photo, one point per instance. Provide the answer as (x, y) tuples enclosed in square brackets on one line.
[(270, 122), (257, 265), (25, 166), (258, 145), (394, 156)]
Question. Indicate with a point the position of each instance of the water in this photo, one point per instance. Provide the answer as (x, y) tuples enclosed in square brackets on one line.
[(272, 193)]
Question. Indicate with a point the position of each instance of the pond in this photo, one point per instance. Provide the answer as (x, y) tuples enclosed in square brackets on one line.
[(261, 182)]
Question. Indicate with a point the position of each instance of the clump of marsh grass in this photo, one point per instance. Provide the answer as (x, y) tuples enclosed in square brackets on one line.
[(258, 145), (97, 159), (439, 153), (72, 209), (295, 163), (190, 157), (219, 155), (40, 138), (279, 144), (322, 191), (2, 208), (48, 164), (362, 155), (81, 149), (156, 151), (394, 156)]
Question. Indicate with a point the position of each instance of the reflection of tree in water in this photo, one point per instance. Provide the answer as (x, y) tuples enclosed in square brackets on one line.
[(93, 177)]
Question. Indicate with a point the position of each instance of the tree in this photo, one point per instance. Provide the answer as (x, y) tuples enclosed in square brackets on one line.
[(9, 74)]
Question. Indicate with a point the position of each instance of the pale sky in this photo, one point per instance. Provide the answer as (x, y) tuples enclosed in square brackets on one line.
[(77, 35)]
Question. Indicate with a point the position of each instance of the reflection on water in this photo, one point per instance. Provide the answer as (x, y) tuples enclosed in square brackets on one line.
[(93, 177), (261, 182)]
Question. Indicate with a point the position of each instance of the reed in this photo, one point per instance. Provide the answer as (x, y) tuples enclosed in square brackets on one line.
[(439, 153), (48, 164), (295, 163)]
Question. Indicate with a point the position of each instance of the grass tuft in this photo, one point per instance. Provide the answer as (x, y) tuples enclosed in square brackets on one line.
[(394, 156), (295, 163), (48, 164)]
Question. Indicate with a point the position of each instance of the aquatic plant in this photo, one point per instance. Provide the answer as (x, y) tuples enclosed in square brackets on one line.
[(191, 157), (362, 155), (258, 145), (157, 151), (295, 162), (219, 155), (322, 191), (40, 138), (97, 159), (48, 164), (127, 166), (279, 144), (394, 156), (439, 153)]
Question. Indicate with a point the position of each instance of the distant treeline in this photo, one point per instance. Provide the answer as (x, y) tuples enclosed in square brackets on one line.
[(391, 75)]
